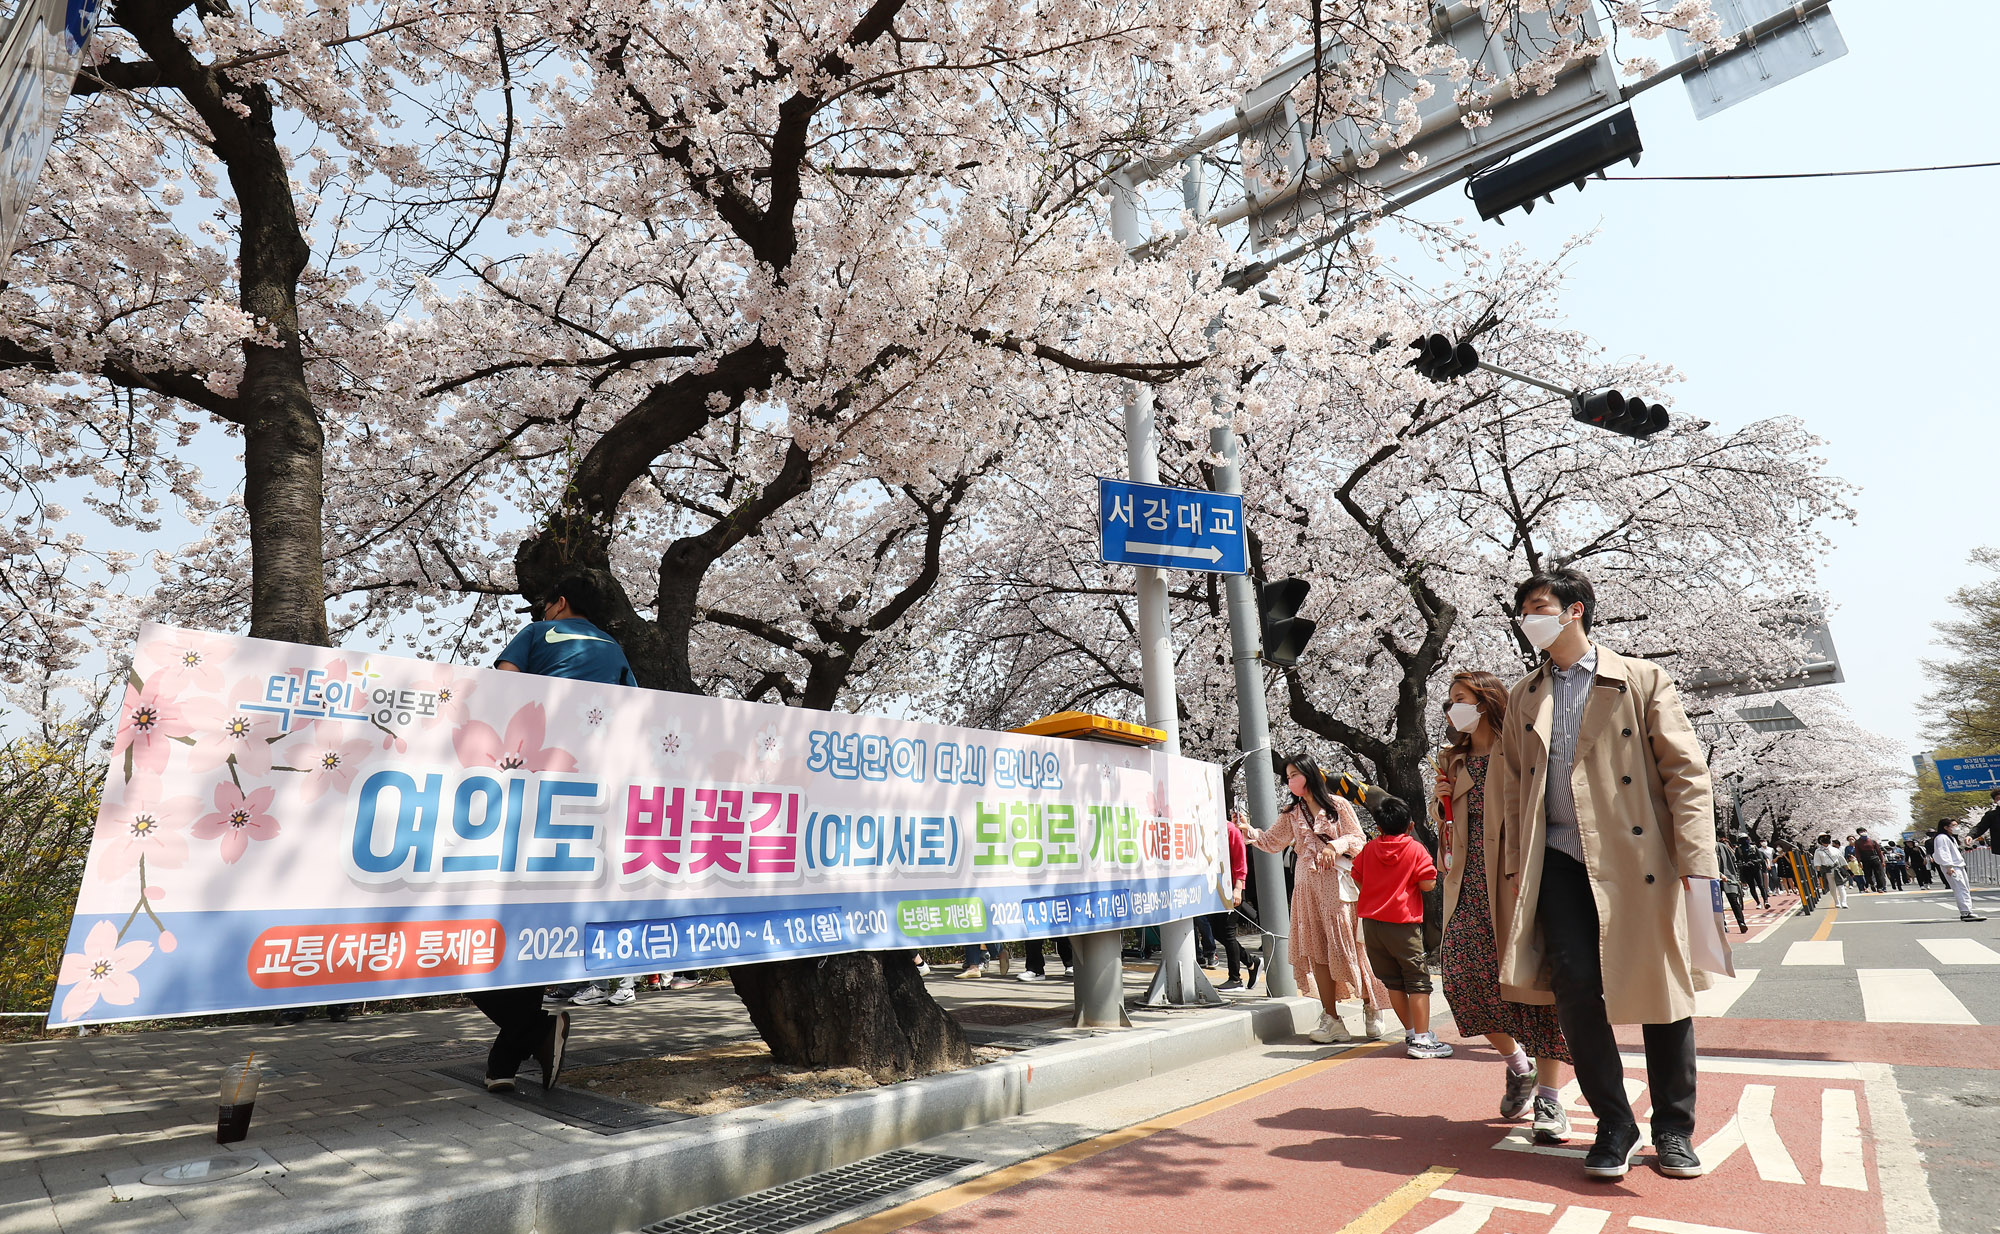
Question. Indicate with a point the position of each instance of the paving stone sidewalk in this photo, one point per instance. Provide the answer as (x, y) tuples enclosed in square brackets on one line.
[(351, 1112)]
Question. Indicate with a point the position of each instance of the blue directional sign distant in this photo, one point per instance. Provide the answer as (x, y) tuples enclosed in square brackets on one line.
[(1173, 528), (1969, 775)]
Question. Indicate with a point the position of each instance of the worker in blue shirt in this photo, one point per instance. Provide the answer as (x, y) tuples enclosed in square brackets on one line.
[(565, 640)]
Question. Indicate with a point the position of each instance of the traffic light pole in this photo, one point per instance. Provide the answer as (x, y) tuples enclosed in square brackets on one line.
[(1253, 723)]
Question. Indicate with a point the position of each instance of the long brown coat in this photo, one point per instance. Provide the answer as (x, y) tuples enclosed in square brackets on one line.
[(1457, 842), (1647, 819)]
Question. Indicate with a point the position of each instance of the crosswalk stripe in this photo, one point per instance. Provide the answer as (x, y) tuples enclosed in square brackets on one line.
[(1840, 1140), (1719, 998), (1959, 951), (1760, 1135), (1809, 952), (1909, 996)]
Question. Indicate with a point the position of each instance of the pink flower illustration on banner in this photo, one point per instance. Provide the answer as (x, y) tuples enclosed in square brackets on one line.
[(189, 659), (521, 749), (451, 692), (142, 825), (103, 970), (239, 733), (238, 819), (671, 744), (148, 721), (330, 763)]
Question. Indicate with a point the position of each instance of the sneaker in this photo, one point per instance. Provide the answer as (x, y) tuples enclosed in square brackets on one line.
[(1426, 1045), (1611, 1156), (971, 972), (923, 967), (682, 981), (622, 995), (550, 1054), (1256, 966), (1234, 983), (1673, 1155), (1031, 975), (1551, 1121), (1970, 917), (553, 999), (1371, 1023), (1519, 1096), (592, 995), (1329, 1030), (290, 1016), (499, 1083)]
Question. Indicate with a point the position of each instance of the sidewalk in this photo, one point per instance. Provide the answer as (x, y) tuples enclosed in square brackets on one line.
[(386, 1110)]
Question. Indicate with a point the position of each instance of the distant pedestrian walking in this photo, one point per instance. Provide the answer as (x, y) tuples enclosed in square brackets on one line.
[(1951, 864), (1831, 868), (1920, 863), (1732, 883), (1896, 864), (1518, 1022), (1326, 930)]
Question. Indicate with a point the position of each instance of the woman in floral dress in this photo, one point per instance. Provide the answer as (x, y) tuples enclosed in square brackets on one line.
[(1326, 931), (1520, 1024)]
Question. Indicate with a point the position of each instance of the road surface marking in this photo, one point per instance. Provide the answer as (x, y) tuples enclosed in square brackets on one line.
[(1760, 1135), (1907, 1205), (1959, 951), (1662, 1226), (1720, 997), (1840, 1141), (1474, 1210), (1902, 921), (939, 1202), (1826, 924), (1909, 996), (1817, 952), (1772, 928), (1390, 1209), (1777, 1068), (1577, 1219)]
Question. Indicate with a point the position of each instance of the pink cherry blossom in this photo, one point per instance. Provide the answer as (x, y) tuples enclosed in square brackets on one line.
[(329, 761), (453, 688), (238, 819), (103, 970), (141, 825), (149, 719), (194, 661), (237, 733), (479, 746)]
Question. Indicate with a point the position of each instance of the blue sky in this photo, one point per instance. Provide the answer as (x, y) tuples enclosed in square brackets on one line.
[(1858, 304)]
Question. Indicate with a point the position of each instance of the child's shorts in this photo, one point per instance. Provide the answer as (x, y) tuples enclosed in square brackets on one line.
[(1396, 953)]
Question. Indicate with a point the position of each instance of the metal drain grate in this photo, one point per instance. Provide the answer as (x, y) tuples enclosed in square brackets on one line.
[(575, 1106), (815, 1197)]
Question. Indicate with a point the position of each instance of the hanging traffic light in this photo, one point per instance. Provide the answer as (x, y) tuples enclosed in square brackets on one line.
[(1572, 160), (1608, 409), (1439, 359), (1285, 632)]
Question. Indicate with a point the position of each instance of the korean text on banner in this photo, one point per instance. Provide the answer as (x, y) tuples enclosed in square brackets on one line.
[(286, 825)]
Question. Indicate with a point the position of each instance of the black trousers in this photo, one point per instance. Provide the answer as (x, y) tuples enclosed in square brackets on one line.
[(1754, 881), (1038, 960), (1223, 925), (1567, 914), (523, 1025), (1735, 899)]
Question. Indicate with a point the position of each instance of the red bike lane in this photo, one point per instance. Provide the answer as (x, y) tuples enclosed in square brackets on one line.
[(1370, 1142)]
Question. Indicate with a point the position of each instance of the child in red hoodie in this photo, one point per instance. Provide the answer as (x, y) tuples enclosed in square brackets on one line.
[(1393, 872)]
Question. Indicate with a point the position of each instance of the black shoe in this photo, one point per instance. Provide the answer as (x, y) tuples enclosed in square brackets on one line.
[(1970, 917), (1256, 966), (291, 1016), (1673, 1154), (1611, 1156), (550, 1055), (340, 1013), (1234, 983)]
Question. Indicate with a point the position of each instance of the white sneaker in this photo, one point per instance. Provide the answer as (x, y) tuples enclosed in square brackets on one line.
[(1329, 1030), (1371, 1023), (1031, 975), (623, 994), (590, 996)]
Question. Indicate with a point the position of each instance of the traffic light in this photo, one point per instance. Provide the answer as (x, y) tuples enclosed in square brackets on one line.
[(1438, 359), (1608, 409), (1572, 160), (1285, 632)]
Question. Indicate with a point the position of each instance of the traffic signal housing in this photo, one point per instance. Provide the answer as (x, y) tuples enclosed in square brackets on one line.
[(1285, 632), (1439, 359), (1608, 409), (1572, 160)]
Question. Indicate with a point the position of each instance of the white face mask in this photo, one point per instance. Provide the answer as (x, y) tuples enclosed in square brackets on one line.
[(1463, 716), (1542, 629)]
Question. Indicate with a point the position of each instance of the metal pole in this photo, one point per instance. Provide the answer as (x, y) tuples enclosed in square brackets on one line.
[(1253, 724)]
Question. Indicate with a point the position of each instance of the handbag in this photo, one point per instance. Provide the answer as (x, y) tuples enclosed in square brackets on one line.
[(1350, 891)]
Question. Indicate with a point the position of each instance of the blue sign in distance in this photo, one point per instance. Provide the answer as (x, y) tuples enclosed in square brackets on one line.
[(1172, 528), (1969, 775)]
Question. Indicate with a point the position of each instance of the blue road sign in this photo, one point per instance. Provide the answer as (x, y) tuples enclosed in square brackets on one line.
[(1969, 775), (1172, 528)]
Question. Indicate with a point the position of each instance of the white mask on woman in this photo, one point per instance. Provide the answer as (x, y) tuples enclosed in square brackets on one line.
[(1463, 716)]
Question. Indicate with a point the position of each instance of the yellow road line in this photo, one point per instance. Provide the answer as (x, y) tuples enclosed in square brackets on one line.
[(939, 1202), (1390, 1208), (1825, 925)]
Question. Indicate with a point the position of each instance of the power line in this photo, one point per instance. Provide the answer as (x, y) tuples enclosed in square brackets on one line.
[(1820, 175)]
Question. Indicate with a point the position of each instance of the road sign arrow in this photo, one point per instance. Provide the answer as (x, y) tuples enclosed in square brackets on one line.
[(1209, 552)]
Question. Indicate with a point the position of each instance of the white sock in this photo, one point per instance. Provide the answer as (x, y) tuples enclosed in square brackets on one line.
[(1543, 1090), (1518, 1063)]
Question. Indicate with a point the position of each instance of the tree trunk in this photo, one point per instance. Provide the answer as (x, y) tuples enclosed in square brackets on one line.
[(868, 1010)]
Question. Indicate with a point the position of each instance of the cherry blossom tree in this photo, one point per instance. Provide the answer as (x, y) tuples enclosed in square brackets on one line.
[(1831, 775)]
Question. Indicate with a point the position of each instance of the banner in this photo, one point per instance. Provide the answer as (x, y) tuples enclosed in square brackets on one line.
[(286, 825)]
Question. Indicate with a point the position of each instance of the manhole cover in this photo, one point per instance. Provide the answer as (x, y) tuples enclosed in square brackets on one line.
[(194, 1173), (419, 1052)]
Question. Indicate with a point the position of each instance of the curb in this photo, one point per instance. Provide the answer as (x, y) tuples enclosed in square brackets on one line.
[(708, 1160)]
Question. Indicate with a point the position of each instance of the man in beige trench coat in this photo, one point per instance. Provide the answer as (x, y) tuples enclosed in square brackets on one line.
[(1604, 810)]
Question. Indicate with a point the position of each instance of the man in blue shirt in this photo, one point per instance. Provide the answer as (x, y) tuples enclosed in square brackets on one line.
[(564, 641)]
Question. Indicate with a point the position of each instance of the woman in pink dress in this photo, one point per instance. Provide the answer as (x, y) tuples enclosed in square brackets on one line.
[(1326, 931)]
